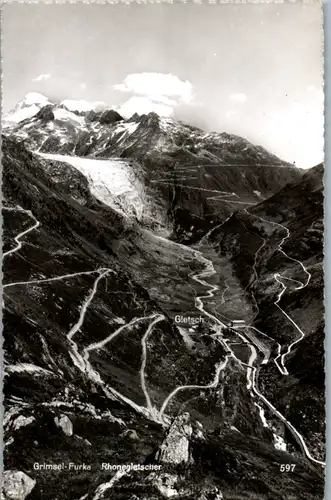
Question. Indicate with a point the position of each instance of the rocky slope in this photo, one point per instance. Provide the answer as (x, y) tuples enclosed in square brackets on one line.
[(100, 370)]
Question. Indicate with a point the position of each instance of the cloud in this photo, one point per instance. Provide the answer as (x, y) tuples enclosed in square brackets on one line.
[(158, 92), (144, 105), (165, 100), (83, 86), (41, 78), (157, 86), (82, 105), (240, 97), (121, 87), (300, 132)]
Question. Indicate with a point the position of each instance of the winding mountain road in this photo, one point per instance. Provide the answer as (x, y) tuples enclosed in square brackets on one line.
[(281, 366), (55, 278), (83, 363), (157, 319), (280, 245), (17, 238), (251, 369), (279, 279), (82, 360), (212, 384), (207, 235), (299, 438), (86, 304)]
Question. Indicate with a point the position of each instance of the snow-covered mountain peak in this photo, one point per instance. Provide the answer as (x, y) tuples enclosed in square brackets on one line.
[(32, 103), (35, 98)]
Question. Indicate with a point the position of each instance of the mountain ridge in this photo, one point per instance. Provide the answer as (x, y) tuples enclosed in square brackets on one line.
[(152, 120), (190, 180)]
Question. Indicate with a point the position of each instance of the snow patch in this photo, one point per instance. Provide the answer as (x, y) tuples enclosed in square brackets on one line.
[(125, 130), (64, 115), (167, 123), (21, 114), (127, 127)]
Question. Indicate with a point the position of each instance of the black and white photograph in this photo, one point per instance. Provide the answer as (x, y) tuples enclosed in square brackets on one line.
[(162, 250)]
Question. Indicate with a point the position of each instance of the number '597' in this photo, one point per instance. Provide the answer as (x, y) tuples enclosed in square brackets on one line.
[(287, 467)]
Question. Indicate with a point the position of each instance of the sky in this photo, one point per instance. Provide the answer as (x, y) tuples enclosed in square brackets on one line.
[(251, 69)]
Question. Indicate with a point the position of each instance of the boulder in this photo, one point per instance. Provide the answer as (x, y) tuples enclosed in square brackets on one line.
[(130, 434), (175, 447), (16, 485), (22, 421), (64, 423)]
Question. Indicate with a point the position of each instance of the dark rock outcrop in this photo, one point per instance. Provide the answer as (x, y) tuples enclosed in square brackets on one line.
[(46, 113), (109, 116)]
